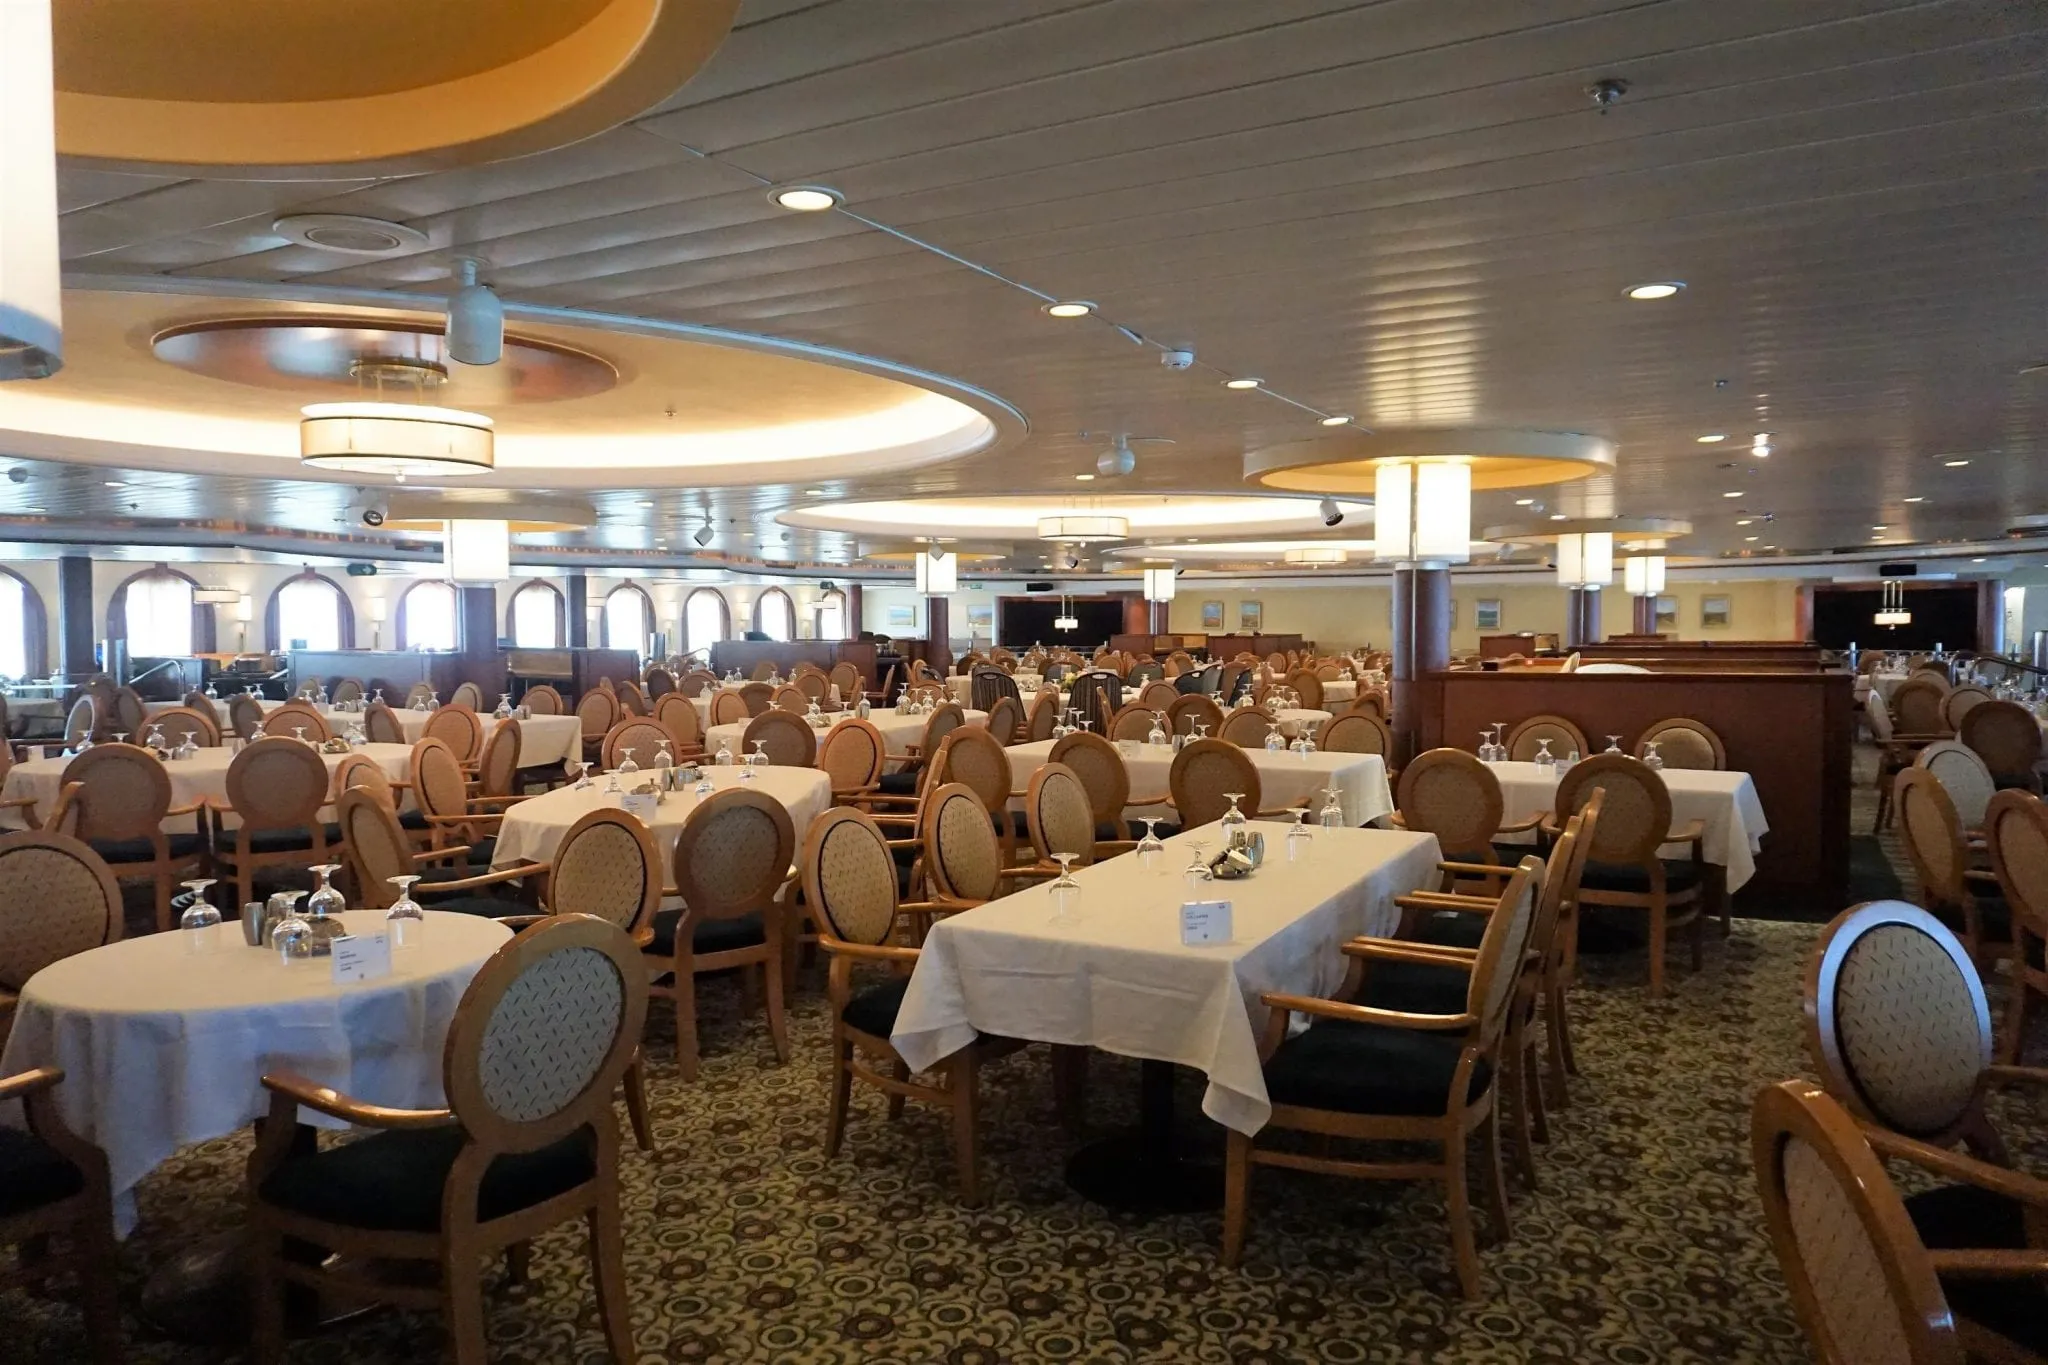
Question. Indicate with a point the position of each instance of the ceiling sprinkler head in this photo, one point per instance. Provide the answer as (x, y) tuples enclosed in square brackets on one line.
[(1606, 92)]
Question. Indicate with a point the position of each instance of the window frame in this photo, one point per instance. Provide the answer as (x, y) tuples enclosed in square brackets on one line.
[(561, 614), (403, 625), (690, 646), (604, 617), (35, 627), (789, 604), (274, 636), (202, 629)]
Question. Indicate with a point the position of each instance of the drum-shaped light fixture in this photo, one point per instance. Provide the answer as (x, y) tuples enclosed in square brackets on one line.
[(1422, 512), (395, 439), (1585, 559), (1312, 554), (31, 290), (937, 571), (1083, 528), (1159, 584)]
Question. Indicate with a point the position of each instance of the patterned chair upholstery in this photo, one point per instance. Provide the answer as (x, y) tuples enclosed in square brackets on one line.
[(542, 700), (1059, 816), (375, 848), (1247, 728), (536, 1051), (1044, 717), (1949, 886), (294, 717), (642, 736), (1625, 868), (117, 798), (55, 1197), (61, 900), (381, 724), (275, 789), (177, 723), (1204, 773), (598, 710), (1102, 773), (1681, 743), (1451, 794), (1963, 775), (1526, 739), (460, 728), (787, 738), (467, 694), (2008, 738), (2016, 837), (1355, 732), (851, 757)]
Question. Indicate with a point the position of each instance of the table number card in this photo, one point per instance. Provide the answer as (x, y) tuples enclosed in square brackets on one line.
[(361, 957), (640, 805), (1204, 922)]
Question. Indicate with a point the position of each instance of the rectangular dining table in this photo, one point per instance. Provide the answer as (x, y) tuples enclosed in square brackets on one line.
[(1286, 779), (1724, 803), (899, 730)]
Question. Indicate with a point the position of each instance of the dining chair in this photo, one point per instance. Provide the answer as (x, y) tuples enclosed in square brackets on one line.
[(1044, 717), (1683, 743), (460, 728), (456, 811), (381, 724), (375, 848), (757, 697), (275, 789), (177, 723), (1355, 732), (1195, 708), (1134, 722), (2016, 838), (643, 736), (696, 682), (360, 770), (1097, 694), (1525, 739), (763, 671), (791, 699), (632, 701), (347, 689), (598, 711), (850, 756), (245, 716), (1246, 727), (728, 708), (81, 722), (61, 900), (196, 700), (1949, 886), (1107, 779), (848, 679), (732, 859), (117, 799), (849, 881), (1059, 818), (788, 739), (130, 714), (294, 717), (467, 694), (1451, 794), (1960, 702), (988, 685), (815, 686), (497, 768), (1309, 687), (419, 692), (677, 714), (907, 779), (57, 1205), (1158, 695), (534, 1054), (1005, 719), (660, 682), (1203, 771), (542, 700), (1899, 1028), (1392, 1076), (1916, 706), (1964, 776), (2007, 737), (1864, 1285)]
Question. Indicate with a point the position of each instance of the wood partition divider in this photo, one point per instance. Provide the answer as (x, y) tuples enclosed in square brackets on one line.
[(1790, 731)]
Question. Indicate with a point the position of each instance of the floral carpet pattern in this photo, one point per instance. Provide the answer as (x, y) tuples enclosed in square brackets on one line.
[(1643, 1245)]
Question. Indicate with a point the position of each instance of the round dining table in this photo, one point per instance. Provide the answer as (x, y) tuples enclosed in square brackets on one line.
[(202, 777), (165, 1039)]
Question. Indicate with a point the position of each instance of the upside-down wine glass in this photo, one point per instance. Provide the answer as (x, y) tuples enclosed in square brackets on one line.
[(1299, 833), (1332, 813), (1197, 870), (1233, 819), (1066, 892), (1150, 850), (1276, 743), (1613, 745), (200, 915), (405, 921)]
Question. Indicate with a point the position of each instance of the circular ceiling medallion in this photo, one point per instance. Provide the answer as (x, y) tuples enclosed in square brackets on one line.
[(348, 233), (347, 354), (523, 513), (345, 88), (1499, 457)]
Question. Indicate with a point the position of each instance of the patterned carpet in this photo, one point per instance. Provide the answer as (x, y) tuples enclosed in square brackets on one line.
[(1644, 1244)]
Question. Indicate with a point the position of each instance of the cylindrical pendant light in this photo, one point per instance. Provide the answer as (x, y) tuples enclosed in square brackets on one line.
[(1422, 512), (937, 571), (1585, 559), (1643, 575), (31, 289), (1159, 584)]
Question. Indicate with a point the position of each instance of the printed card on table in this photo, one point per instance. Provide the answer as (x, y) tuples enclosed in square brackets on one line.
[(361, 957), (1204, 922)]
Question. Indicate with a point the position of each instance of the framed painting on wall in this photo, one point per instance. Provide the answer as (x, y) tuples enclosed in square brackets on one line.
[(1667, 614), (1486, 614), (1251, 617), (1212, 616), (980, 616), (1714, 613), (902, 618)]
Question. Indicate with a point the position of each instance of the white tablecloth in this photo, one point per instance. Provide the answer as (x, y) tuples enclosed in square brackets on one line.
[(1887, 683), (533, 829), (1338, 692), (899, 731), (203, 776), (162, 1047), (1285, 779), (1115, 976), (961, 685), (1726, 803)]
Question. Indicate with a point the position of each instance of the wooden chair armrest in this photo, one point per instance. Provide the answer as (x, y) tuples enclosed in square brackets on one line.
[(510, 874), (1394, 819), (1535, 821), (1501, 870), (192, 809), (895, 799), (867, 952), (496, 801), (25, 1083), (1980, 876), (1991, 1264), (29, 801), (2004, 1073), (1446, 900), (1163, 799), (2016, 1185), (1400, 950), (325, 1100), (1691, 832), (1366, 1014), (516, 922)]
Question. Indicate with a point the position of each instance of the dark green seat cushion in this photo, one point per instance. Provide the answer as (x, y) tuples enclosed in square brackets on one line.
[(873, 1011), (33, 1174), (1357, 1068), (711, 936), (392, 1181)]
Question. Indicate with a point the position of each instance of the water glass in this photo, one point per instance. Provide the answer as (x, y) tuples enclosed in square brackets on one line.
[(1197, 871), (1065, 891), (405, 921), (1299, 834), (201, 917), (1151, 851), (1332, 813)]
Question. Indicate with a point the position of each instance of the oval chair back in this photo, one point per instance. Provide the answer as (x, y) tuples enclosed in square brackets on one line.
[(287, 720), (2008, 738), (1525, 739), (757, 697), (660, 682), (176, 723), (1196, 708), (1044, 717), (359, 772), (458, 726), (373, 845), (278, 784), (348, 689), (791, 698), (851, 756), (1247, 728), (847, 678), (1635, 816), (731, 857), (788, 740), (1916, 706), (728, 707), (639, 734), (468, 694), (1005, 719), (79, 721), (1963, 775), (1133, 722), (438, 785), (941, 723), (1451, 794), (1355, 732), (598, 711), (61, 900), (607, 866), (1098, 766), (813, 684), (542, 700), (987, 685), (497, 770), (1863, 1286), (1681, 743), (1959, 703), (196, 700), (1202, 772), (963, 857), (1098, 695), (123, 792), (381, 724), (1898, 1023), (129, 712), (1158, 696), (1502, 951), (697, 681), (677, 714), (1059, 814), (2016, 836), (849, 878), (1310, 687), (976, 758)]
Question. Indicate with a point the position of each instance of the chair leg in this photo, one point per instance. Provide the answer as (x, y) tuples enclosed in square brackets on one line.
[(685, 993), (778, 1027), (1458, 1208), (1531, 1065), (2015, 1015), (636, 1102), (1237, 1182), (608, 1271), (750, 989), (162, 880), (266, 1296), (1517, 1085), (1699, 936), (518, 1263), (901, 1071), (965, 1085), (842, 1094), (1659, 932), (462, 1297), (1554, 1027), (1494, 1178)]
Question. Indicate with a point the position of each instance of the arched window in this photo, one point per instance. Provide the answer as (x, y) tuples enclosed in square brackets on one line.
[(428, 616), (775, 615), (538, 617), (831, 615), (311, 608), (22, 627), (154, 613), (706, 620), (628, 618)]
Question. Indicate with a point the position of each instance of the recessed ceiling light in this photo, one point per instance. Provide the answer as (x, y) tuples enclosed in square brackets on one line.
[(1912, 500), (1525, 502), (1744, 521), (1069, 308), (1736, 494), (1339, 420), (1770, 547), (1559, 516), (1712, 438), (814, 492), (1244, 383), (1084, 478), (807, 198), (1761, 438), (1656, 289), (1880, 528), (35, 509), (1974, 561), (1761, 451), (1955, 464), (116, 483), (643, 504), (1752, 537)]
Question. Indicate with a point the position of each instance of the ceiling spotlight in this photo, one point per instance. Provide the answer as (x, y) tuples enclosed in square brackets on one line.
[(1069, 308), (1712, 438), (1525, 502), (1332, 513), (1761, 450), (703, 536), (1084, 478), (807, 198), (1656, 289), (116, 483), (1974, 561), (1338, 420), (1736, 494), (1744, 521), (1762, 438), (1245, 383), (1559, 516), (1912, 500), (1955, 464), (476, 319), (814, 492), (1752, 537), (643, 504), (1880, 528)]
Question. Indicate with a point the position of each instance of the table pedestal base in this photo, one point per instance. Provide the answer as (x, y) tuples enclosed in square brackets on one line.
[(1148, 1169)]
